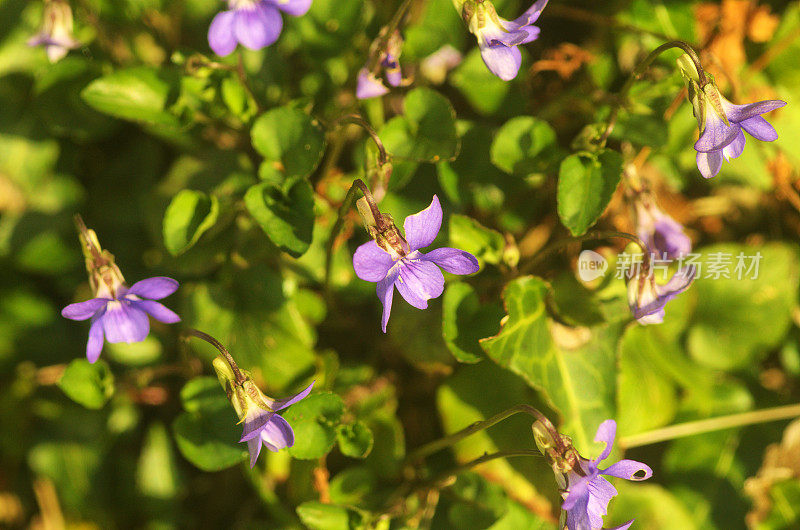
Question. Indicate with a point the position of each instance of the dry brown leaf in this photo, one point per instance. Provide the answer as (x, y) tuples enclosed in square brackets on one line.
[(762, 24), (564, 60)]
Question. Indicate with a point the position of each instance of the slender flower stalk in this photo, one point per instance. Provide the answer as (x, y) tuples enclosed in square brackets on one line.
[(118, 313), (692, 428), (622, 96)]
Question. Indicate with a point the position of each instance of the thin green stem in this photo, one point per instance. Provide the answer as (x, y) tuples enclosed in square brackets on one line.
[(641, 68), (240, 378), (356, 119), (241, 74), (691, 428), (437, 445), (559, 245)]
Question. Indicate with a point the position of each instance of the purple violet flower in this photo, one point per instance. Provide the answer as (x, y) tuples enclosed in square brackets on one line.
[(662, 234), (369, 85), (265, 426), (254, 24), (415, 274), (647, 299), (498, 38), (588, 493), (120, 314), (721, 122), (56, 34), (722, 136)]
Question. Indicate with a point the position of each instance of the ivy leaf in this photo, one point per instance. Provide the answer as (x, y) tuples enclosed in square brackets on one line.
[(285, 212), (189, 215), (586, 182), (355, 440), (289, 139), (90, 385), (573, 367), (465, 320), (315, 421), (139, 94)]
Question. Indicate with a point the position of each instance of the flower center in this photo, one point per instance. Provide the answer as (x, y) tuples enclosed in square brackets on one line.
[(242, 4)]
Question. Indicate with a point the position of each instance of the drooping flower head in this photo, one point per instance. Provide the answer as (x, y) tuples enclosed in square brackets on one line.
[(585, 492), (118, 313), (392, 260), (498, 38), (369, 83), (56, 34), (255, 24), (262, 424), (662, 235), (721, 123), (647, 299)]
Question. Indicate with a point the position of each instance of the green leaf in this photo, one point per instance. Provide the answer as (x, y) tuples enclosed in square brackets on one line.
[(573, 367), (203, 393), (208, 432), (318, 516), (315, 421), (646, 397), (289, 139), (285, 212), (91, 385), (157, 474), (138, 94), (425, 133), (465, 320), (525, 146), (485, 91), (651, 505), (586, 182), (189, 214), (739, 320), (479, 503), (484, 243), (355, 440)]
